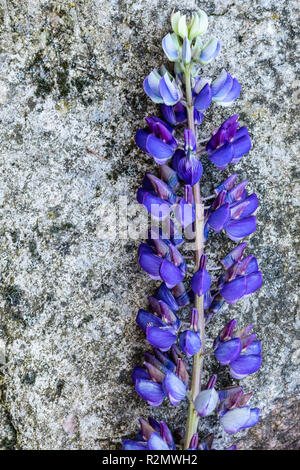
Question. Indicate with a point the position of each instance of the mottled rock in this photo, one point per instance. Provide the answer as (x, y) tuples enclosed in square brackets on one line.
[(71, 99)]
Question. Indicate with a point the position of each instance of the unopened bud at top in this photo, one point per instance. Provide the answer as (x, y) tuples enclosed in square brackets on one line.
[(179, 25), (198, 24)]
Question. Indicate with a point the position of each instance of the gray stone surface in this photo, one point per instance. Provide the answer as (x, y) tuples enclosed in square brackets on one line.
[(70, 79)]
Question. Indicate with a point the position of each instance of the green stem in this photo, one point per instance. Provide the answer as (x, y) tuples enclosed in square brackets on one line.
[(192, 420)]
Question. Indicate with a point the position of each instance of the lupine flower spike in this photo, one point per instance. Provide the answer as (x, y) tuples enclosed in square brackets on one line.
[(172, 197)]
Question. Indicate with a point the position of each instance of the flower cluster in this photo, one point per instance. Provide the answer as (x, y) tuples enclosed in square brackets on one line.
[(241, 351), (184, 96), (163, 375)]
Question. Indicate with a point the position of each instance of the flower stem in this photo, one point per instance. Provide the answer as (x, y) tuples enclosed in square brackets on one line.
[(192, 420)]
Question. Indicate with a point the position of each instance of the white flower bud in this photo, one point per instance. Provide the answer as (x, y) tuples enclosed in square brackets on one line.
[(199, 24)]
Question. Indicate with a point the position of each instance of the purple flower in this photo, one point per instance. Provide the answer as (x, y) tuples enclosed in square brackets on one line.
[(228, 144), (171, 47), (161, 328), (201, 280), (166, 376), (161, 337), (239, 418), (157, 207), (234, 255), (225, 89), (175, 389), (157, 140), (209, 51), (155, 185), (153, 436), (240, 350), (159, 268), (185, 163), (190, 342), (202, 98), (150, 391), (207, 400), (227, 351), (161, 311), (232, 211), (163, 293), (156, 196), (234, 413), (174, 114), (162, 89), (145, 319), (240, 278)]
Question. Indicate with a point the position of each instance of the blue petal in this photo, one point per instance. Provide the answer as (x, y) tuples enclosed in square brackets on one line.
[(234, 255), (151, 87), (186, 53), (167, 435), (168, 114), (190, 342), (227, 184), (169, 176), (190, 170), (169, 47), (178, 155), (237, 193), (238, 229), (234, 420), (222, 156), (139, 373), (219, 218), (221, 86), (200, 282), (160, 151), (234, 290), (245, 208), (241, 146), (203, 99), (150, 391), (170, 274), (210, 51), (228, 351), (157, 443), (254, 348), (158, 208), (254, 418), (161, 188), (168, 90), (233, 94), (175, 388), (181, 295), (253, 282), (206, 402), (241, 131), (163, 293), (245, 365), (145, 319), (151, 264), (252, 205), (162, 338), (141, 139), (184, 213)]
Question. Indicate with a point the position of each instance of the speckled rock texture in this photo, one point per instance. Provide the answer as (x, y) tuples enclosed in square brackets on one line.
[(71, 99)]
